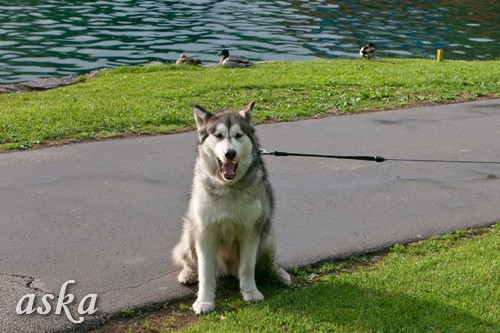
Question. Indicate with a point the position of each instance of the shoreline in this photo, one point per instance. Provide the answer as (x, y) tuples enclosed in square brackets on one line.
[(66, 80), (47, 83)]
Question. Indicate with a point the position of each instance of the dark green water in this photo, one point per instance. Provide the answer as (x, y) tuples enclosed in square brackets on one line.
[(53, 38)]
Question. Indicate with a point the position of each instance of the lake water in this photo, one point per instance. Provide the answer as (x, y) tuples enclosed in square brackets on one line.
[(52, 38)]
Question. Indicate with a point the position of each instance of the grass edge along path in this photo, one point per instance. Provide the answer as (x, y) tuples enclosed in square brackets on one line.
[(447, 283), (158, 99)]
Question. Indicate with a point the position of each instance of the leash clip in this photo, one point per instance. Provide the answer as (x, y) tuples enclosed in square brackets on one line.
[(265, 152)]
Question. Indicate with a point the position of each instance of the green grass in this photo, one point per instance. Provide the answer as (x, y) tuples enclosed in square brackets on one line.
[(159, 99), (445, 284)]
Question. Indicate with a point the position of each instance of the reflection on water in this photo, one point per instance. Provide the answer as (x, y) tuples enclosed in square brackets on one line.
[(54, 37)]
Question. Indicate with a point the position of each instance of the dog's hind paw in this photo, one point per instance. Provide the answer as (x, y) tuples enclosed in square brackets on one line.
[(187, 276), (253, 296), (202, 307)]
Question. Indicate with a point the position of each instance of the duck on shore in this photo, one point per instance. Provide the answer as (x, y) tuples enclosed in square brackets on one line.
[(185, 60), (367, 51), (227, 61)]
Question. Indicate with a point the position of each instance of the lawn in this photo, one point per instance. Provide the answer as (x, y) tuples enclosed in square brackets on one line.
[(446, 284), (159, 98)]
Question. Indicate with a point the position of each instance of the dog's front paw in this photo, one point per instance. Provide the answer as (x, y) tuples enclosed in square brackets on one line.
[(187, 277), (253, 296), (203, 307)]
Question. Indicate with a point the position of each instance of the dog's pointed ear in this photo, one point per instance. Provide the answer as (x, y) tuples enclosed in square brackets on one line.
[(247, 111), (201, 116)]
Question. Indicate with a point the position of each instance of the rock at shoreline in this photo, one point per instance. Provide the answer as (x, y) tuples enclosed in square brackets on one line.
[(45, 84)]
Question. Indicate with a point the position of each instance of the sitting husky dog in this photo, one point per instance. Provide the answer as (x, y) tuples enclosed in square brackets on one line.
[(227, 229)]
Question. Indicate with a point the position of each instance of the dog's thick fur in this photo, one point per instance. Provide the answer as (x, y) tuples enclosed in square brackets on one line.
[(227, 229)]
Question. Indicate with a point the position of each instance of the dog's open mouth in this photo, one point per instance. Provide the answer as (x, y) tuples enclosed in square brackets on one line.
[(227, 169)]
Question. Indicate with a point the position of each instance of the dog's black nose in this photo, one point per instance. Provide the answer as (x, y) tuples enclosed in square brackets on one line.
[(231, 154)]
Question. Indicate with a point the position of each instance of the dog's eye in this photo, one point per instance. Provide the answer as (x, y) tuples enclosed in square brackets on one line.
[(219, 136), (238, 135)]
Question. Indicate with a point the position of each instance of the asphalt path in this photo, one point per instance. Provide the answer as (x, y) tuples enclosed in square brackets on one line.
[(107, 214)]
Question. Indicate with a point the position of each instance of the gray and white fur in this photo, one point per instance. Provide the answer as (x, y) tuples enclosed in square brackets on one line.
[(227, 228)]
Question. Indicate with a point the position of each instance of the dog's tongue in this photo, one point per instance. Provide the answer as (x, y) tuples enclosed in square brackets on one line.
[(228, 169)]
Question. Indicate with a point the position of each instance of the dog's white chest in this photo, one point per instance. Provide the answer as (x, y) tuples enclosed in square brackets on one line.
[(242, 211)]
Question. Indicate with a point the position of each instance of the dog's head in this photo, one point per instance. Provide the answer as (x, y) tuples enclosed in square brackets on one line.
[(227, 139)]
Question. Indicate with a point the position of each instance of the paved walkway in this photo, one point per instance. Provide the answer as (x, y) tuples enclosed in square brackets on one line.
[(107, 214)]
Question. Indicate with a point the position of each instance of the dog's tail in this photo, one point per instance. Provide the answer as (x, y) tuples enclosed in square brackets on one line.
[(267, 270)]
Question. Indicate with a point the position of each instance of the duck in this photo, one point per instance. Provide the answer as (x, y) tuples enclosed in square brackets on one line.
[(367, 51), (185, 60), (227, 61)]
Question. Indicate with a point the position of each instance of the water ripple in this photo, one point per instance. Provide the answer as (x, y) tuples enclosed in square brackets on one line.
[(57, 37)]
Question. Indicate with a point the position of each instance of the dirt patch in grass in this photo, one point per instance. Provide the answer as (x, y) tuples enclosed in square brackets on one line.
[(171, 316)]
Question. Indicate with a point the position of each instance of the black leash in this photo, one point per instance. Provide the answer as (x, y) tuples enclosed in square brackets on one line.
[(367, 158)]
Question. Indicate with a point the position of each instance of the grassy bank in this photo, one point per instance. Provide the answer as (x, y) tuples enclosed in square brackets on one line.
[(445, 284), (159, 99)]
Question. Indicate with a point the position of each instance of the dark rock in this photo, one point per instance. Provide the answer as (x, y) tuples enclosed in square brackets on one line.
[(45, 84)]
